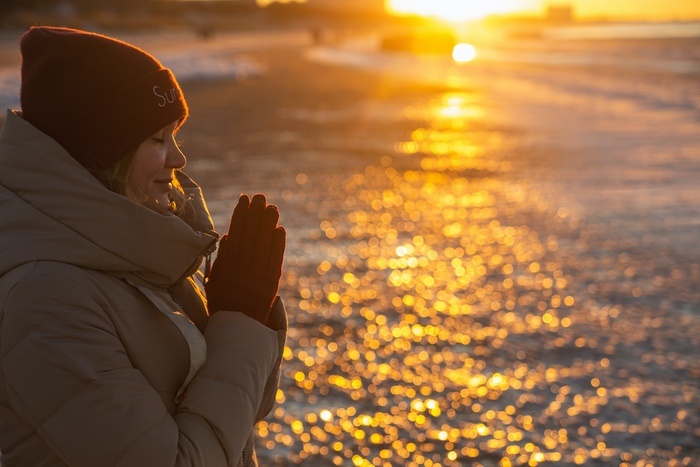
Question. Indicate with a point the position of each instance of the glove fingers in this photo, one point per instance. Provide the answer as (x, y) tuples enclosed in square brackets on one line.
[(268, 224), (251, 228), (236, 226), (274, 265), (222, 245)]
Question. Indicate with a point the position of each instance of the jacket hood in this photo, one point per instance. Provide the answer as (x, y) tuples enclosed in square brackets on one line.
[(52, 208)]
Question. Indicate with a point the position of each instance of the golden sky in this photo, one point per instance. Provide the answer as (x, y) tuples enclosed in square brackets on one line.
[(649, 9), (468, 9)]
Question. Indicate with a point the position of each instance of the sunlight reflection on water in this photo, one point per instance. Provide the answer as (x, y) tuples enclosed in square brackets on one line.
[(444, 326)]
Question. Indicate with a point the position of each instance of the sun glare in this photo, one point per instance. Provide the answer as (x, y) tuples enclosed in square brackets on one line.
[(463, 53), (456, 10)]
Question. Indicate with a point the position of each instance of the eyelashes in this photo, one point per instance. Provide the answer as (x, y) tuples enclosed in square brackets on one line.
[(178, 143)]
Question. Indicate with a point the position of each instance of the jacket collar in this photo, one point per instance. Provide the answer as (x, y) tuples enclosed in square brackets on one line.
[(52, 208)]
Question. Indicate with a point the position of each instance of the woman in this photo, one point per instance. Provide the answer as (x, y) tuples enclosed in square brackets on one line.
[(109, 352)]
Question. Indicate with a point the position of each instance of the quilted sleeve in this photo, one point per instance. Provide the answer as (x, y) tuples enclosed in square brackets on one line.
[(68, 376)]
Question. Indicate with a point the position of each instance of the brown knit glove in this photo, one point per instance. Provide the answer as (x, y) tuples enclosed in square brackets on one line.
[(246, 273)]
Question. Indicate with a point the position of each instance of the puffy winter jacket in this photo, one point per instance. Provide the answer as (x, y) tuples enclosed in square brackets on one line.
[(101, 362)]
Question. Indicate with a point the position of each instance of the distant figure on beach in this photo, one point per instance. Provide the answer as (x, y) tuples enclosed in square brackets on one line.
[(110, 354)]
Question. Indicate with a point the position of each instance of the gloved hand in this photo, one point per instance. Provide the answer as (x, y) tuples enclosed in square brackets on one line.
[(246, 273)]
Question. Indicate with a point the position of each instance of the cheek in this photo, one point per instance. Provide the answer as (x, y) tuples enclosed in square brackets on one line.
[(145, 169)]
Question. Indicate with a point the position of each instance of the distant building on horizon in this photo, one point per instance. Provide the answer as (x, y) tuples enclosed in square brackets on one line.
[(367, 6), (221, 2), (560, 13)]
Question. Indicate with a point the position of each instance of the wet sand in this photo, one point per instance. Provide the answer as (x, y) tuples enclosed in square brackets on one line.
[(446, 307)]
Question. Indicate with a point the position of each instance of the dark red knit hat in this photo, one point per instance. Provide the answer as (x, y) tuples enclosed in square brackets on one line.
[(97, 96)]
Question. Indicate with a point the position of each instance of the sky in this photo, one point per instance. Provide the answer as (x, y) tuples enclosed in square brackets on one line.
[(647, 9), (650, 9), (632, 9)]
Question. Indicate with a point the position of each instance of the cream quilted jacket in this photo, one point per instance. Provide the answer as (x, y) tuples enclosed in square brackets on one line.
[(101, 362)]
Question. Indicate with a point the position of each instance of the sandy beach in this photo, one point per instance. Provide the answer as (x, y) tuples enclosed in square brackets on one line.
[(470, 280)]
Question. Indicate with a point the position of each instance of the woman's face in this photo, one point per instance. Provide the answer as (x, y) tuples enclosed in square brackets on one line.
[(153, 167)]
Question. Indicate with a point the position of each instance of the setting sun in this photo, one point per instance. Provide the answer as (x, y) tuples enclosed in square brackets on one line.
[(463, 53), (456, 10)]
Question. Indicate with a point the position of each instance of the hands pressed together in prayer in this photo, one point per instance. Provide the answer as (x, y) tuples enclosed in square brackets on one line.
[(246, 273)]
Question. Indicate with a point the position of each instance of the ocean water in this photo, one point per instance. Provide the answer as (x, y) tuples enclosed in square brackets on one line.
[(515, 283), (620, 102), (630, 49)]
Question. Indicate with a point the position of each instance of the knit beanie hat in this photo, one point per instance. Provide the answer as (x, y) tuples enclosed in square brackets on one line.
[(97, 96)]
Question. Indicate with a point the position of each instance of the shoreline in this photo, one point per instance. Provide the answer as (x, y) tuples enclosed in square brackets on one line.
[(325, 142), (609, 153)]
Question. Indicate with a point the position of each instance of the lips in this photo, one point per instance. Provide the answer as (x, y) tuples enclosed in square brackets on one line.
[(164, 184)]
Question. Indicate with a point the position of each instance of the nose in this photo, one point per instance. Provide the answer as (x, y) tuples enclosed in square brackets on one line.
[(175, 158)]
